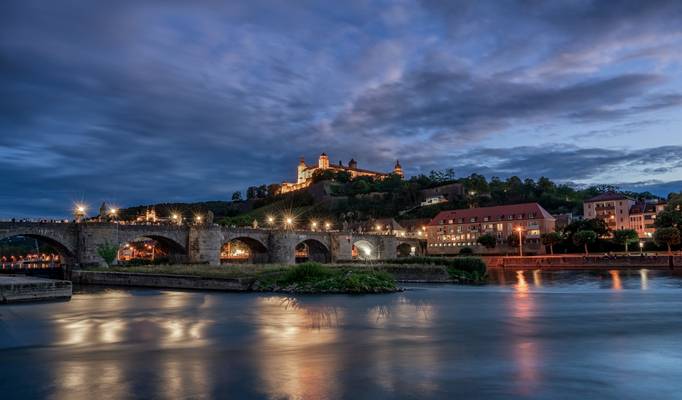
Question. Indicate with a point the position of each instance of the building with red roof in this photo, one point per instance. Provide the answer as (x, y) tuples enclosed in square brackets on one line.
[(450, 231)]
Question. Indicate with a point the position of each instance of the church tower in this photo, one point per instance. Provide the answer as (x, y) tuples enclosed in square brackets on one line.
[(323, 162), (398, 170)]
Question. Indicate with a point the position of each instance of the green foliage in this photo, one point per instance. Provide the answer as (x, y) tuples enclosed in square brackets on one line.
[(583, 238), (237, 196), (624, 237), (108, 252), (513, 240), (595, 225), (551, 239), (672, 215), (488, 241), (305, 272), (313, 277), (669, 236)]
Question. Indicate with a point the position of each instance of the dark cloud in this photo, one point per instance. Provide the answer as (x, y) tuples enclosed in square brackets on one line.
[(138, 102), (571, 163)]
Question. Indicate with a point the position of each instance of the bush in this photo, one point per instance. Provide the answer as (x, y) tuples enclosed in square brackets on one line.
[(305, 272), (311, 277), (108, 252)]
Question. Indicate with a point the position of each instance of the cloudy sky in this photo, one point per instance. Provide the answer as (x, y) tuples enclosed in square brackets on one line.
[(136, 101)]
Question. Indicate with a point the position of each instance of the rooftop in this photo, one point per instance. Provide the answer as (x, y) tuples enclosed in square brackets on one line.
[(609, 196)]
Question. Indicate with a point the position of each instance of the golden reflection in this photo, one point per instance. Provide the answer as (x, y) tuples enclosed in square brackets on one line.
[(184, 378), (537, 278), (644, 275), (521, 284), (525, 352), (296, 348), (76, 379), (615, 277), (110, 331)]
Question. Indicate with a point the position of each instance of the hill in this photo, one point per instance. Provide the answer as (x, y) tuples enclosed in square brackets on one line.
[(337, 198)]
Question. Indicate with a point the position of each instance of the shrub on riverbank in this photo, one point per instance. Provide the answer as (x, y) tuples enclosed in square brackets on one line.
[(312, 277), (468, 268)]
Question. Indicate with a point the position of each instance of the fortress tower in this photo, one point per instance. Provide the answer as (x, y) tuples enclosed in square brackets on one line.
[(323, 162), (398, 170)]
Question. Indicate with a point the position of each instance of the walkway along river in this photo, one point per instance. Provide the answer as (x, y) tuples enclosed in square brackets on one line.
[(555, 335)]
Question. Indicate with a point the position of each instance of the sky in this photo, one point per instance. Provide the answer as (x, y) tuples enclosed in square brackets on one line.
[(138, 102)]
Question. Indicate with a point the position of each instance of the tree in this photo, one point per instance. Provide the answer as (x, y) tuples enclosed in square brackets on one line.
[(550, 239), (625, 237), (108, 252), (583, 238), (488, 241), (261, 191), (670, 236), (671, 216), (251, 192), (513, 240), (273, 189), (237, 196)]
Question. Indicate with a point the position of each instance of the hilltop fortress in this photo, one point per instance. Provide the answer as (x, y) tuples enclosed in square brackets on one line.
[(305, 172)]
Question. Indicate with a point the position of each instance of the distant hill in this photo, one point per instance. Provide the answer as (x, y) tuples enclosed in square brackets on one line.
[(337, 199)]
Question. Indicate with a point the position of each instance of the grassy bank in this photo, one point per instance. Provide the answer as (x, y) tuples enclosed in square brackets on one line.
[(200, 270), (301, 278)]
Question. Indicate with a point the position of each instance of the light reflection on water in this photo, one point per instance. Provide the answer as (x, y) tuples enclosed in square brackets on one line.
[(527, 334)]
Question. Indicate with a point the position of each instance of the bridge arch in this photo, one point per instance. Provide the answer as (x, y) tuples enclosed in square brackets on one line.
[(244, 249), (364, 250), (312, 250), (66, 253), (405, 249), (162, 248)]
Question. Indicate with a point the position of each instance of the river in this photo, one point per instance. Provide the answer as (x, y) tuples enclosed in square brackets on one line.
[(561, 335)]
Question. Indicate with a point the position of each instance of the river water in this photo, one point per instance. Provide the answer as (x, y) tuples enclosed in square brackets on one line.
[(524, 335)]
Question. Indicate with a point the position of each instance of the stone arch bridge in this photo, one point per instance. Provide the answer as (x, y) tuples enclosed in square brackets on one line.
[(78, 242)]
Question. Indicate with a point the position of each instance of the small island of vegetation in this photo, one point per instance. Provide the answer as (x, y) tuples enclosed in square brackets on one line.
[(311, 277)]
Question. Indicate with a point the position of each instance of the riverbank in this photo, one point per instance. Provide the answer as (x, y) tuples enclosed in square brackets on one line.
[(19, 288), (301, 278), (590, 262)]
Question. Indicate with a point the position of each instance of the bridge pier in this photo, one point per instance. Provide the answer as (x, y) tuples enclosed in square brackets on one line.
[(204, 244)]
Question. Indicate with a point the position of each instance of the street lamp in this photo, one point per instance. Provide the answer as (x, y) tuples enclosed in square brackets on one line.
[(79, 212), (197, 218), (327, 225), (520, 230), (288, 222), (313, 225), (641, 248), (113, 212), (271, 220)]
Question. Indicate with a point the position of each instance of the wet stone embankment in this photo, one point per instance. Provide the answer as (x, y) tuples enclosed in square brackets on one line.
[(19, 288)]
